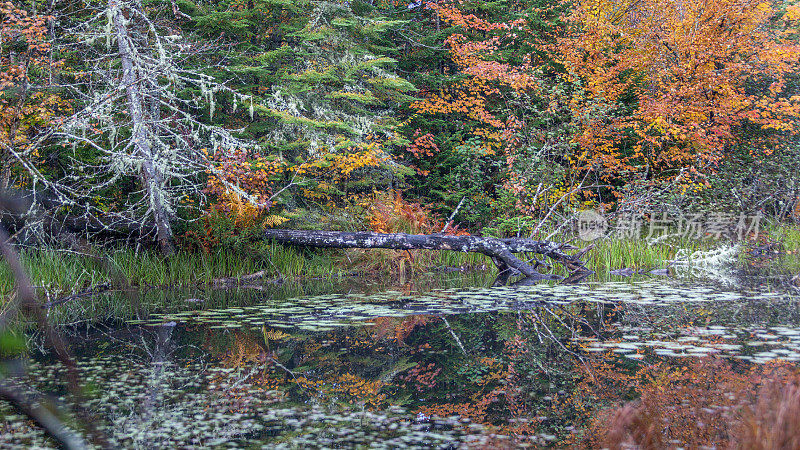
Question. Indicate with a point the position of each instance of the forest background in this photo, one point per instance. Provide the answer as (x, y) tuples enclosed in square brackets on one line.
[(194, 125)]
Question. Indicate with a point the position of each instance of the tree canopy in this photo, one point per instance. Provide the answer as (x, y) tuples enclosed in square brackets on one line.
[(153, 114)]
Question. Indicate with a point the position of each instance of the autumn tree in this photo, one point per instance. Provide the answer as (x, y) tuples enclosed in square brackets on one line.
[(501, 117), (669, 88), (555, 105), (325, 90), (27, 108)]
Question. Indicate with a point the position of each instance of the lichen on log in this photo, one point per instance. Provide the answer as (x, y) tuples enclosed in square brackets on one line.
[(500, 250)]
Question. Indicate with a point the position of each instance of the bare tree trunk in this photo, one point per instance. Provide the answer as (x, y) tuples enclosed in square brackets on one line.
[(5, 170), (500, 250), (152, 177)]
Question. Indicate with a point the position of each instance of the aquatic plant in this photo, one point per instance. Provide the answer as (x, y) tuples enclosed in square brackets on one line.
[(715, 264)]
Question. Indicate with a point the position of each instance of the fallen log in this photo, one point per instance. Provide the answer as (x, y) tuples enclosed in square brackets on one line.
[(500, 250)]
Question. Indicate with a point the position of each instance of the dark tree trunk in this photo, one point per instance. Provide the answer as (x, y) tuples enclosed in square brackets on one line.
[(500, 250)]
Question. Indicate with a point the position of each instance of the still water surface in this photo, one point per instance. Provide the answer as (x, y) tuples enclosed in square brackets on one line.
[(386, 367)]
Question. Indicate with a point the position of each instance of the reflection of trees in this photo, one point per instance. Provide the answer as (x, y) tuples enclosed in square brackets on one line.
[(311, 367), (523, 373), (511, 366)]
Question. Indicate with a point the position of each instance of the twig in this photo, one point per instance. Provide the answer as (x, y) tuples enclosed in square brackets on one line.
[(84, 293), (51, 425), (453, 333), (26, 300), (453, 215)]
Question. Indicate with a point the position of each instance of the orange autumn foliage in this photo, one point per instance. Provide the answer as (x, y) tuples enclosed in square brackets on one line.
[(693, 68), (497, 398), (400, 328), (704, 402), (476, 96), (654, 90), (253, 178), (390, 213), (24, 109), (347, 387)]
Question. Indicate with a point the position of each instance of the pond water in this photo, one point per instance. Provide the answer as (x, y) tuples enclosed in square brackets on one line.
[(340, 366)]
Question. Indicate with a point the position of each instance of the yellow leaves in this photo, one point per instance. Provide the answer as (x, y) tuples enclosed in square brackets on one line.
[(274, 221), (24, 110), (274, 335), (792, 12), (687, 63), (349, 387), (245, 213), (658, 125)]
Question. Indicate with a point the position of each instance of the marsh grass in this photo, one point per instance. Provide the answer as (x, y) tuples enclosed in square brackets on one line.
[(788, 236), (610, 254), (59, 273), (63, 273)]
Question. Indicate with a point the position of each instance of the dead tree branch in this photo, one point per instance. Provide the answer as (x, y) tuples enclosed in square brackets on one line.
[(500, 250)]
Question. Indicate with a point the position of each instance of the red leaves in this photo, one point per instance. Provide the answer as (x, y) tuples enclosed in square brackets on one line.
[(253, 175), (423, 145)]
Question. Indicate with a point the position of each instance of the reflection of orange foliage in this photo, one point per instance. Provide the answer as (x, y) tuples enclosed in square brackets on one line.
[(246, 354), (423, 376), (245, 350), (349, 388), (497, 400), (701, 403), (488, 372), (398, 328)]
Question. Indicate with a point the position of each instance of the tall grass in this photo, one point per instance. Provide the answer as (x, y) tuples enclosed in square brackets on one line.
[(58, 273), (786, 234), (61, 273), (610, 254)]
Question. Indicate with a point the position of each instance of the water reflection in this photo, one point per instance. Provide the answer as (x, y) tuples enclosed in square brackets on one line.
[(450, 367)]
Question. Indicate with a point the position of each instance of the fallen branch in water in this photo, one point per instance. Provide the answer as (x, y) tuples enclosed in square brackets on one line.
[(246, 279), (500, 250), (84, 293)]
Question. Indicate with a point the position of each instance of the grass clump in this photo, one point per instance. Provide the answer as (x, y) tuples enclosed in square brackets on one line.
[(58, 273)]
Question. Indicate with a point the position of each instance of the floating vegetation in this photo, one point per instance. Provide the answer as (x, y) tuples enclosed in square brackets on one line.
[(397, 368), (325, 312), (153, 404), (758, 345)]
